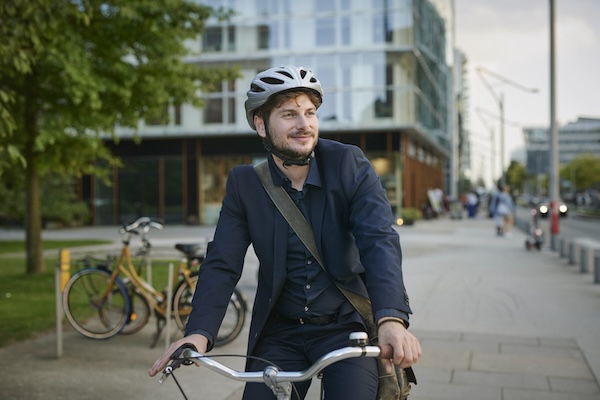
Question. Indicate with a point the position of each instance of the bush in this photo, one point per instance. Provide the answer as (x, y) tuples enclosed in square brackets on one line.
[(58, 201), (411, 214)]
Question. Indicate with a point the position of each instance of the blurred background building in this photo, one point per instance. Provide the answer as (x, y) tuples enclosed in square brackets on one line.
[(574, 138), (387, 71)]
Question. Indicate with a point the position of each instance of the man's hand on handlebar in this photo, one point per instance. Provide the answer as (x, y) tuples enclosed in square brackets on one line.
[(198, 341), (398, 346)]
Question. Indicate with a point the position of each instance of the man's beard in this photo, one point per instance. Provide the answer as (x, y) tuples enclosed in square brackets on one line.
[(291, 154)]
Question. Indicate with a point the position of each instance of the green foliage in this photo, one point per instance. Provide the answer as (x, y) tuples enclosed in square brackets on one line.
[(71, 71), (411, 214), (516, 176), (58, 200), (583, 172)]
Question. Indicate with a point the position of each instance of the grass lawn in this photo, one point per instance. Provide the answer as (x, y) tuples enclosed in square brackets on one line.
[(27, 302)]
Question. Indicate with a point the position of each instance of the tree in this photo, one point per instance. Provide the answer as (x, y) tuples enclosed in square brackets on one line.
[(73, 70), (583, 172), (516, 175)]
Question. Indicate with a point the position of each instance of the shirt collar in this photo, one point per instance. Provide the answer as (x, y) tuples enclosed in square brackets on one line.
[(313, 178)]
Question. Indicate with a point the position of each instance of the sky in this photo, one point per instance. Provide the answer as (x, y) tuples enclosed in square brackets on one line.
[(511, 38)]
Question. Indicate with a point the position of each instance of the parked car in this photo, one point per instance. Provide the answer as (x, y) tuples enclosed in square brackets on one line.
[(544, 208)]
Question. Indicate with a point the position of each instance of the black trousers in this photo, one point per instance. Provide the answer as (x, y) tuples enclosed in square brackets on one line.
[(294, 347)]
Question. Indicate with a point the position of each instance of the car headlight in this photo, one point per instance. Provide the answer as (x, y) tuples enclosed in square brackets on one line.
[(543, 209), (562, 208)]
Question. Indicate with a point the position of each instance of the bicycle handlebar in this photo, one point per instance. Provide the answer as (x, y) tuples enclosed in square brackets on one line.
[(144, 222), (271, 375)]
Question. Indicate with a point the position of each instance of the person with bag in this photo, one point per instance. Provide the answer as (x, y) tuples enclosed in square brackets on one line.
[(504, 211), (328, 266)]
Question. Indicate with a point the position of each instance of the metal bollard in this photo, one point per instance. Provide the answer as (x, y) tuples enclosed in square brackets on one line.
[(583, 262), (563, 248), (572, 253)]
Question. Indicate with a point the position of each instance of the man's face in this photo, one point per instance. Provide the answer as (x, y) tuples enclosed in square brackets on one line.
[(293, 127)]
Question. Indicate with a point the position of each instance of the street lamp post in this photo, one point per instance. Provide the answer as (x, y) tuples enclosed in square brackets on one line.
[(500, 100), (553, 159)]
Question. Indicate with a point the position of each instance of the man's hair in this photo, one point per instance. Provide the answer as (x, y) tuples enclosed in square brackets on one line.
[(278, 99)]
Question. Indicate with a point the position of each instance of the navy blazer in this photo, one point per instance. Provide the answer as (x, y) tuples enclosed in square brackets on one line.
[(353, 231)]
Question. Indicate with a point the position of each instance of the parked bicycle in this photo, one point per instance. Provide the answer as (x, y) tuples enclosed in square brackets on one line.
[(280, 382), (107, 298)]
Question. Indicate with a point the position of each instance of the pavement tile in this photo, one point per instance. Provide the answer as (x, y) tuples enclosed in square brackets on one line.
[(574, 385), (558, 342), (445, 359), (497, 338), (504, 380), (433, 374), (434, 390), (517, 394), (552, 351), (459, 346), (535, 365)]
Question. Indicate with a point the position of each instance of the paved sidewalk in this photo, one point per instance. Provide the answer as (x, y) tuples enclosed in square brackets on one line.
[(495, 321)]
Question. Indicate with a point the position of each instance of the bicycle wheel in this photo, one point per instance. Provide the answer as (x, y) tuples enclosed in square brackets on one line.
[(89, 311), (140, 313), (234, 316), (234, 319)]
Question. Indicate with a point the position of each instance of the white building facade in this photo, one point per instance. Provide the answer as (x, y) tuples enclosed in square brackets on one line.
[(383, 67)]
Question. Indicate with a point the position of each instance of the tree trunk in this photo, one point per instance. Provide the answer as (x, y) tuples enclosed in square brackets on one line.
[(33, 222), (33, 216)]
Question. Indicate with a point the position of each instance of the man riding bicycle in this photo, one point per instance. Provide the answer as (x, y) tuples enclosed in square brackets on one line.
[(299, 313)]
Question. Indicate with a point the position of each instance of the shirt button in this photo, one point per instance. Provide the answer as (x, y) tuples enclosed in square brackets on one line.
[(305, 308), (307, 286), (309, 262)]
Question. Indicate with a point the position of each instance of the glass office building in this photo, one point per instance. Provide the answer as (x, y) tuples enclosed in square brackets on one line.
[(383, 67)]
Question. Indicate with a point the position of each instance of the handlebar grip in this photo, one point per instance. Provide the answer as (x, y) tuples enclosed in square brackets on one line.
[(177, 353)]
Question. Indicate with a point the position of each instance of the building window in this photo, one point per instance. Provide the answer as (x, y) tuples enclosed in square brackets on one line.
[(325, 31), (384, 103), (346, 31), (263, 37), (219, 107), (217, 38), (211, 39), (231, 38), (382, 28)]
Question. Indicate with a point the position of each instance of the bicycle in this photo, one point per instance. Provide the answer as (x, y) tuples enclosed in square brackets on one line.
[(100, 303), (280, 382)]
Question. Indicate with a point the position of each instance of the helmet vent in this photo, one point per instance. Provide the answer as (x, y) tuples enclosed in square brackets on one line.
[(271, 80), (286, 74), (256, 88)]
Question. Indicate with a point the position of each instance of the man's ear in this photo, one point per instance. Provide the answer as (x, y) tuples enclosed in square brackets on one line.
[(259, 123)]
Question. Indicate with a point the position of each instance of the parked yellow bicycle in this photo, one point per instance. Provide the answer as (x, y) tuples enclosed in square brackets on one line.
[(100, 302)]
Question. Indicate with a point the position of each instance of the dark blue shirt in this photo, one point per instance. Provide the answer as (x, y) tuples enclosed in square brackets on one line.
[(308, 290)]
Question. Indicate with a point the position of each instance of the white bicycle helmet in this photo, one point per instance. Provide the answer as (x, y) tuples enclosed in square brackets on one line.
[(275, 80)]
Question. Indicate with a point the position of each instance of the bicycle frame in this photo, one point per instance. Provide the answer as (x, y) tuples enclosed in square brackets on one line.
[(124, 266)]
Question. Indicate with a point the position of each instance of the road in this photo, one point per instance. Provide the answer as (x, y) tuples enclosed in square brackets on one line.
[(569, 227)]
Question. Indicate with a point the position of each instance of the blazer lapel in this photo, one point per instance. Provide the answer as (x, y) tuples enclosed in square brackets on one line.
[(316, 215)]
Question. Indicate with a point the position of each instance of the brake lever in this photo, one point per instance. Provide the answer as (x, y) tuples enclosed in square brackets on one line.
[(176, 362)]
